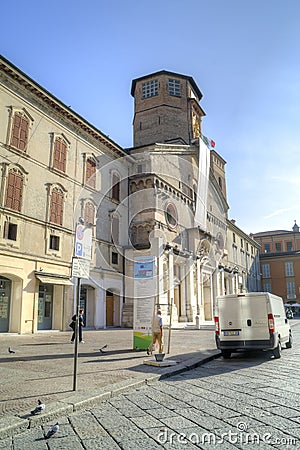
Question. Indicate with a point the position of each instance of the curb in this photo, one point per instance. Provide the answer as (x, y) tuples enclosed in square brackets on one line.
[(12, 424)]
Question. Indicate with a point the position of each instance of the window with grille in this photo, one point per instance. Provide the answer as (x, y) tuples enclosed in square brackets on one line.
[(60, 155), (54, 242), (90, 173), (278, 247), (115, 192), (266, 271), (56, 206), (267, 248), (150, 88), (289, 246), (289, 269), (174, 87), (14, 190), (19, 134)]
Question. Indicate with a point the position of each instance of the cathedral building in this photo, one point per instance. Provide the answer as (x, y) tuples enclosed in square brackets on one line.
[(157, 212)]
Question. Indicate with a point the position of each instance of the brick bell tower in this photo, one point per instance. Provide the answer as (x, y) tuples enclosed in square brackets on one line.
[(166, 109)]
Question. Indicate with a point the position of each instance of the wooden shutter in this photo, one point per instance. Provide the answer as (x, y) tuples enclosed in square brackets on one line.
[(60, 155), (89, 213), (20, 132), (14, 191), (56, 207), (90, 174)]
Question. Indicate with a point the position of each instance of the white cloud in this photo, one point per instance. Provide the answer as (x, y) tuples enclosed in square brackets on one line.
[(281, 211)]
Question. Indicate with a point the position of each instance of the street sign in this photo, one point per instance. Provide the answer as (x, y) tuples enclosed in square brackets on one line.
[(83, 242), (80, 268)]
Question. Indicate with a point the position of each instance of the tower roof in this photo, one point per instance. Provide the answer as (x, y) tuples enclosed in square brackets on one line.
[(173, 74)]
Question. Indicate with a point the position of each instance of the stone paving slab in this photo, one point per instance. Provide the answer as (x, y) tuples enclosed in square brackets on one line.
[(43, 368)]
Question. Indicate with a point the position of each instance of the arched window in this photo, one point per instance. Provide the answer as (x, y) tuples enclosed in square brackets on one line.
[(115, 191), (60, 154), (14, 190), (90, 172), (56, 206), (19, 132)]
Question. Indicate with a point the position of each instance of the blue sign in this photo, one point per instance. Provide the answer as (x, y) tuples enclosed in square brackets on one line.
[(78, 249)]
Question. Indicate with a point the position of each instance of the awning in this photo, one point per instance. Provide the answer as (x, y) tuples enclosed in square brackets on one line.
[(46, 279)]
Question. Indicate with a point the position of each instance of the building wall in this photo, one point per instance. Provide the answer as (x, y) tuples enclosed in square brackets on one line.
[(25, 259), (279, 249)]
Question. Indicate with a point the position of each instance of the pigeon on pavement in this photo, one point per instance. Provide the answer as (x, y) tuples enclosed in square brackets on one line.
[(101, 349), (39, 408), (10, 350), (52, 431)]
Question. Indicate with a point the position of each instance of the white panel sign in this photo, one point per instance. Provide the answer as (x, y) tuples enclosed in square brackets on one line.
[(80, 268)]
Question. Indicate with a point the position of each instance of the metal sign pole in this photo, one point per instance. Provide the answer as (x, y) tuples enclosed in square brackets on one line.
[(170, 326), (76, 335)]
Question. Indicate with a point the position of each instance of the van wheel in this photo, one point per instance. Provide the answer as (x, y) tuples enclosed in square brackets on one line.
[(289, 344), (226, 354), (277, 350)]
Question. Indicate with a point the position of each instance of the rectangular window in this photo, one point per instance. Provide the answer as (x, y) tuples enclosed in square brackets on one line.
[(267, 287), (90, 173), (234, 254), (289, 269), (149, 89), (289, 246), (266, 271), (54, 242), (233, 236), (10, 231), (14, 191), (242, 243), (56, 207), (278, 246), (114, 258), (291, 292), (19, 134), (60, 155), (174, 87), (115, 194), (243, 262), (267, 248)]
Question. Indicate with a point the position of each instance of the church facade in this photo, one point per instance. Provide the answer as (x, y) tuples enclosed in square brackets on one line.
[(158, 211)]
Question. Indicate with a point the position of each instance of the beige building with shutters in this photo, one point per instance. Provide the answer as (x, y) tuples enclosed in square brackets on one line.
[(55, 168)]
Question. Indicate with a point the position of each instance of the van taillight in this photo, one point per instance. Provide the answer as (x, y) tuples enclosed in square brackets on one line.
[(217, 325), (271, 323)]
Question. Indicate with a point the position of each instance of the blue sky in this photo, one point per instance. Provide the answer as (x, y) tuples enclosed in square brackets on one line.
[(243, 55)]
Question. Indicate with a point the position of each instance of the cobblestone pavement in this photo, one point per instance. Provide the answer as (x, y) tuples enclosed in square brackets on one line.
[(248, 402), (43, 363)]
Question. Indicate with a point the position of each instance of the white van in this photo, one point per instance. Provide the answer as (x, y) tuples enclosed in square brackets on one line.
[(251, 321)]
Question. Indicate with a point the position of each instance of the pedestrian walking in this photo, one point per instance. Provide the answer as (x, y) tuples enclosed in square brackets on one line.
[(157, 333), (80, 325)]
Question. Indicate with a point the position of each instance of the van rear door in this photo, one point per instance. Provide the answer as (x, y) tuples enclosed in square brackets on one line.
[(255, 317), (230, 316)]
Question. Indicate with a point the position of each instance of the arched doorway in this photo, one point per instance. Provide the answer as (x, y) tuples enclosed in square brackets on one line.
[(5, 296)]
